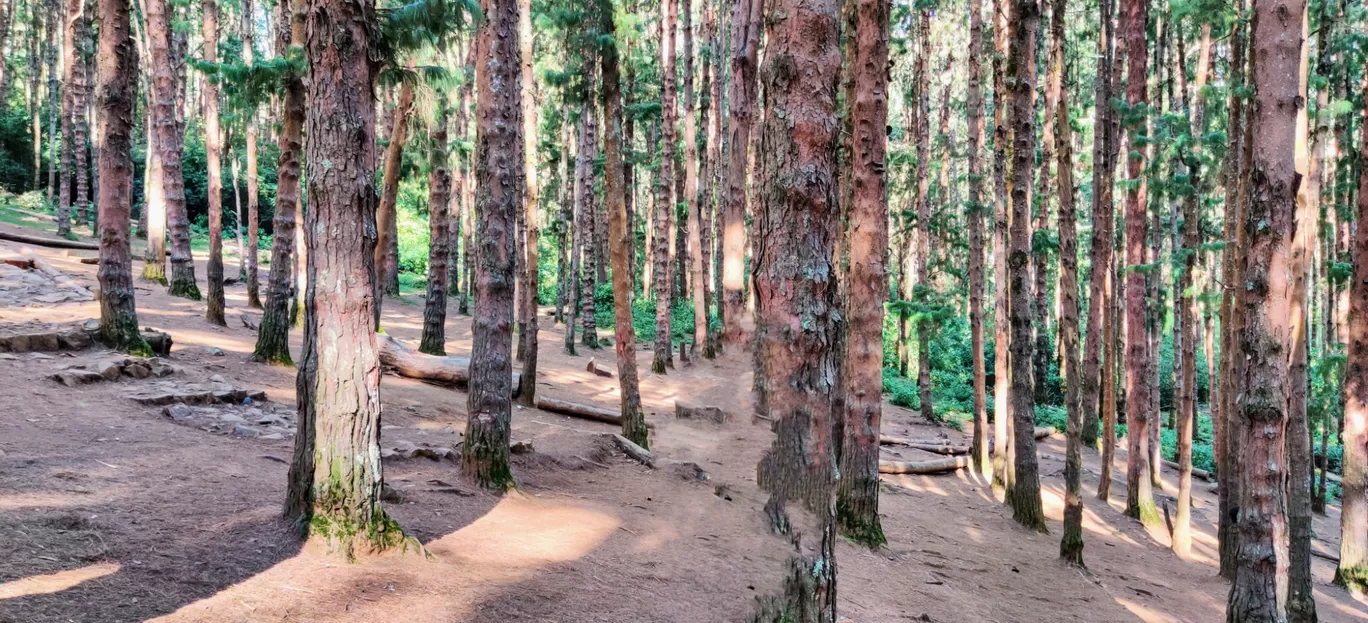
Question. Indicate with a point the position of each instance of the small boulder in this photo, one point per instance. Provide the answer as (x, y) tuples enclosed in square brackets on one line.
[(75, 377), (178, 412), (522, 447), (243, 430), (137, 370), (110, 370), (214, 351)]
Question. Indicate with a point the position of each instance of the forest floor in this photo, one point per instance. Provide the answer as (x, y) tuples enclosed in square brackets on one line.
[(112, 511)]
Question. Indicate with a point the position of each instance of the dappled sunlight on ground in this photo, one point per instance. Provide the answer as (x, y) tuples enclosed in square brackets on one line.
[(55, 582)]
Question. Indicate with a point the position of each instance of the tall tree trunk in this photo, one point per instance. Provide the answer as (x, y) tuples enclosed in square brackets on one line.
[(336, 474), (797, 214), (54, 96), (253, 191), (567, 221), (169, 145), (439, 197), (1139, 496), (745, 44), (923, 234), (1071, 545), (1003, 467), (80, 93), (387, 219), (116, 65), (664, 209), (620, 235), (154, 196), (499, 117), (273, 338), (572, 297), (1024, 495), (531, 265), (1090, 398), (1260, 588), (73, 33), (1300, 239), (857, 503), (710, 109), (584, 233), (698, 287), (1040, 257), (38, 27), (1352, 572), (213, 153), (982, 462)]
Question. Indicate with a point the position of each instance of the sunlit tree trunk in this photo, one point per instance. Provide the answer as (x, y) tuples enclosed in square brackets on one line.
[(797, 208), (923, 206), (73, 32), (1352, 571), (386, 220), (527, 392), (54, 34), (572, 280), (273, 344), (664, 208), (982, 461), (253, 190), (1003, 468), (336, 474), (169, 145), (1090, 396), (116, 67), (213, 155), (615, 191), (1260, 588), (1071, 545), (584, 230), (857, 505), (498, 113)]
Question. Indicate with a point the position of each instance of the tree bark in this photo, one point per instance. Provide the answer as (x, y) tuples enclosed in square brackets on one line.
[(1103, 214), (1260, 588), (584, 232), (698, 286), (336, 477), (1352, 572), (439, 197), (857, 502), (499, 117), (620, 236), (253, 190), (169, 145), (213, 154), (1003, 467), (923, 292), (664, 208), (982, 462), (386, 220), (1024, 495), (745, 43), (527, 392), (116, 66), (73, 32), (1071, 545), (273, 338), (796, 223)]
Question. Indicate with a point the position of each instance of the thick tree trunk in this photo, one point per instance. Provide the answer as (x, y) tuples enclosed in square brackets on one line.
[(273, 338), (169, 145), (857, 503), (1024, 496), (116, 66), (439, 197), (745, 44), (484, 457), (73, 32), (1071, 545), (584, 232), (664, 208), (336, 474), (1352, 572), (1003, 467), (527, 392), (1139, 495), (386, 219), (213, 154), (620, 238), (698, 286), (797, 209), (982, 462), (1260, 588)]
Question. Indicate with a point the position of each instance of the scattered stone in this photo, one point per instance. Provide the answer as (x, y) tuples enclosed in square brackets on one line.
[(213, 351), (712, 414), (75, 377), (403, 449), (243, 430), (522, 447), (273, 436), (724, 492), (137, 370), (178, 412), (168, 392), (110, 370), (390, 494), (232, 418), (9, 357), (690, 471)]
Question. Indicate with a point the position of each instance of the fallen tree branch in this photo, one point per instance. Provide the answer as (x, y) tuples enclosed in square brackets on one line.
[(54, 243), (1196, 472), (588, 412), (452, 371), (640, 454), (944, 446), (934, 466)]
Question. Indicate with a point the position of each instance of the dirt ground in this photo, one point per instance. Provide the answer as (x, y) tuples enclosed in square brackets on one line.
[(112, 511)]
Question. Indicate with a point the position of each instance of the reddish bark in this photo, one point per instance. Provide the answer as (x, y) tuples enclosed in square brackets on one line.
[(664, 206), (1003, 468), (527, 388), (439, 197), (1103, 215), (386, 222), (745, 43), (1071, 545), (982, 462), (253, 191), (169, 138), (1353, 566), (213, 154)]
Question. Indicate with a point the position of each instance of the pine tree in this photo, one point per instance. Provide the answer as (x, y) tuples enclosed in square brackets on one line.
[(664, 197), (213, 153)]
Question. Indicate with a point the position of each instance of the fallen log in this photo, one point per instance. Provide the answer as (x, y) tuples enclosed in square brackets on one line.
[(934, 466), (588, 412), (640, 454), (598, 370), (945, 446), (57, 276), (713, 414), (1196, 472), (54, 243), (452, 371), (89, 260)]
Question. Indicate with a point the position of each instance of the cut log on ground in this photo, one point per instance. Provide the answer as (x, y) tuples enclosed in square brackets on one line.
[(588, 412), (16, 260), (642, 455), (89, 260), (451, 371), (944, 446), (597, 370), (934, 466), (1196, 472), (53, 243), (712, 414)]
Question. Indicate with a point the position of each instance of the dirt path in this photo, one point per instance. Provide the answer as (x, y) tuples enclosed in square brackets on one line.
[(111, 511)]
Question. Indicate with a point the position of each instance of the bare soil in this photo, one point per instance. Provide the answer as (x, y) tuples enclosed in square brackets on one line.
[(112, 511)]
